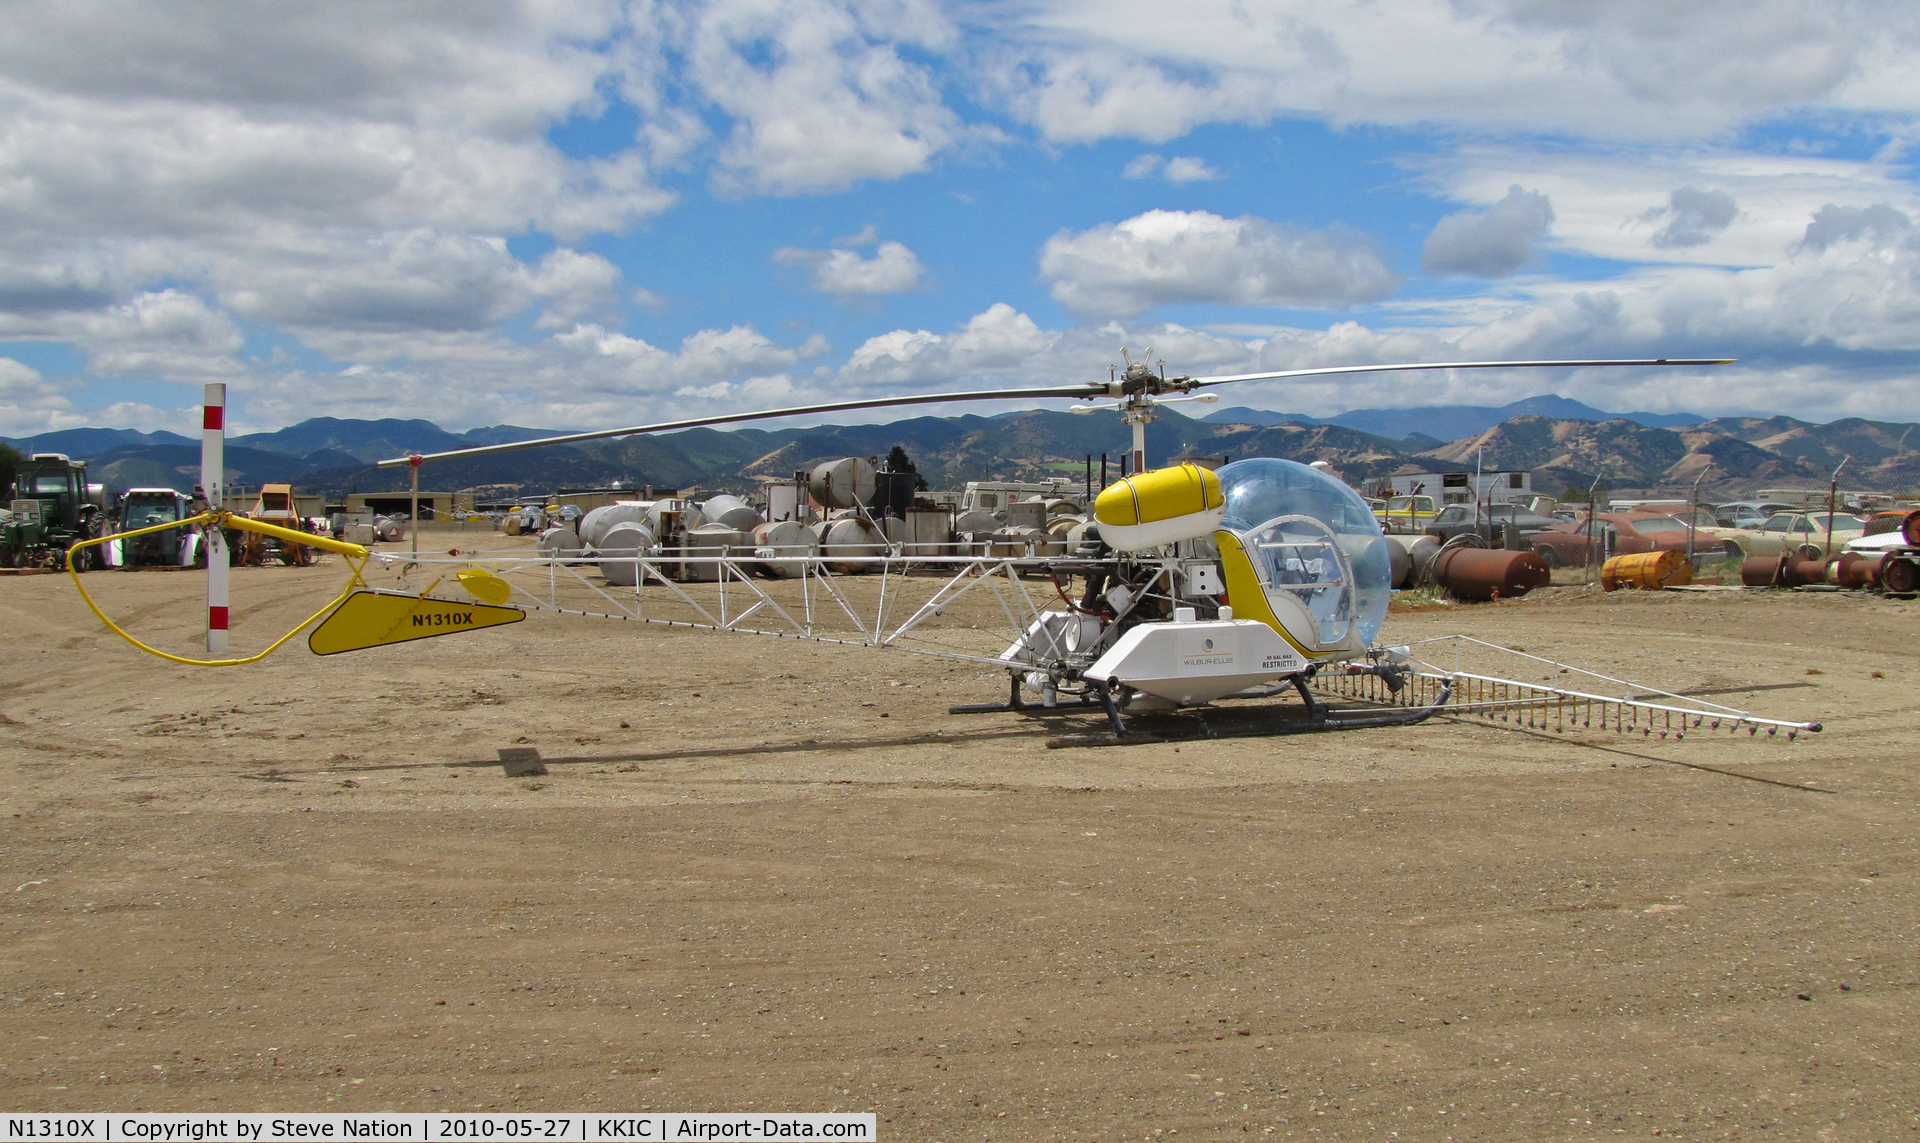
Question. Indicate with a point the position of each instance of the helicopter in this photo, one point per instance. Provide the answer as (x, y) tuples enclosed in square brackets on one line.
[(1196, 587)]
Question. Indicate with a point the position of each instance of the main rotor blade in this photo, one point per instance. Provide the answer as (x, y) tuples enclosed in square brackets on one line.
[(1200, 381), (1081, 391)]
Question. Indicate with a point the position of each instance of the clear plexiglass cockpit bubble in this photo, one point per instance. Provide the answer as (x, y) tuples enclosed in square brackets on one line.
[(1261, 491)]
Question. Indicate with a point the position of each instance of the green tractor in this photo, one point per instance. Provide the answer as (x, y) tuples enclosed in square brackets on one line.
[(53, 507)]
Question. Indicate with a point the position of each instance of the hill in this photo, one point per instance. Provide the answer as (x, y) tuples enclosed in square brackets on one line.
[(80, 443), (364, 440), (178, 466)]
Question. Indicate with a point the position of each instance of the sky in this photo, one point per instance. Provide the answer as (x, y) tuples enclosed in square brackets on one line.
[(580, 214)]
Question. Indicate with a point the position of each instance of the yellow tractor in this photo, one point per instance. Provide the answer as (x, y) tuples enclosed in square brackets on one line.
[(274, 506)]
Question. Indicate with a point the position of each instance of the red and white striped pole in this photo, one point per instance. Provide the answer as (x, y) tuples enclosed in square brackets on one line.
[(213, 475)]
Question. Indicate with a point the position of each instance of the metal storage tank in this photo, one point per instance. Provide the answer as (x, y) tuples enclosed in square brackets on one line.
[(732, 511), (560, 543), (843, 483), (701, 545), (1026, 514), (929, 532), (1482, 573), (622, 542), (850, 545), (665, 517), (594, 525), (977, 521), (783, 501), (786, 539), (1420, 552), (1399, 564), (1016, 542), (972, 544)]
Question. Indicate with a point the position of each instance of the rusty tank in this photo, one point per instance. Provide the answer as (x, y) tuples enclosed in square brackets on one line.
[(1899, 575), (1646, 570), (1487, 573), (1764, 571)]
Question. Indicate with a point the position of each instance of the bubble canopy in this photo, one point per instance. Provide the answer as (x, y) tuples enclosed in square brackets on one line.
[(1261, 490)]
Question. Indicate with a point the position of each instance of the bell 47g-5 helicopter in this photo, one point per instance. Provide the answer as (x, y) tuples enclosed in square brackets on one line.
[(1192, 588)]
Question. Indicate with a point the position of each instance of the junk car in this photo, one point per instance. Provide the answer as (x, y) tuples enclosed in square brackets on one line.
[(1801, 532), (1488, 519), (1613, 533)]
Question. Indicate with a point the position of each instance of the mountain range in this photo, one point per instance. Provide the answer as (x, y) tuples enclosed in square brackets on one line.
[(1442, 423), (1563, 451)]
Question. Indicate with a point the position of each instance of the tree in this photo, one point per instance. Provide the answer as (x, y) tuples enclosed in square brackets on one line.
[(10, 459), (897, 461)]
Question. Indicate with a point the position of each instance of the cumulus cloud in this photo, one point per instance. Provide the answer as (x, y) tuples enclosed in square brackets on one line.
[(1179, 169), (1187, 169), (1806, 331), (1168, 256), (616, 363), (1835, 224), (1601, 196), (1693, 217), (418, 280), (997, 340), (1080, 72), (209, 120), (821, 94), (28, 402), (168, 172), (1491, 243), (170, 333), (893, 269), (586, 376)]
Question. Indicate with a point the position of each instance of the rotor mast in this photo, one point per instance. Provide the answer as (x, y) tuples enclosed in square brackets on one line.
[(1141, 391)]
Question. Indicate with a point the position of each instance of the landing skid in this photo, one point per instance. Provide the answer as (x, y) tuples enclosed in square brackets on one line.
[(1317, 721), (1016, 704)]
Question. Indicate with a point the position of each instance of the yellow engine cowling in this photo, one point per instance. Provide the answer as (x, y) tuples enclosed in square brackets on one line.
[(1149, 509)]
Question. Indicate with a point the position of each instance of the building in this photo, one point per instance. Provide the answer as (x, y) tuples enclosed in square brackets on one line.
[(1490, 486), (587, 499), (433, 505)]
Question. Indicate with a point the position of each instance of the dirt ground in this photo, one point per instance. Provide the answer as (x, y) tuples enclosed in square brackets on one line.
[(774, 875)]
